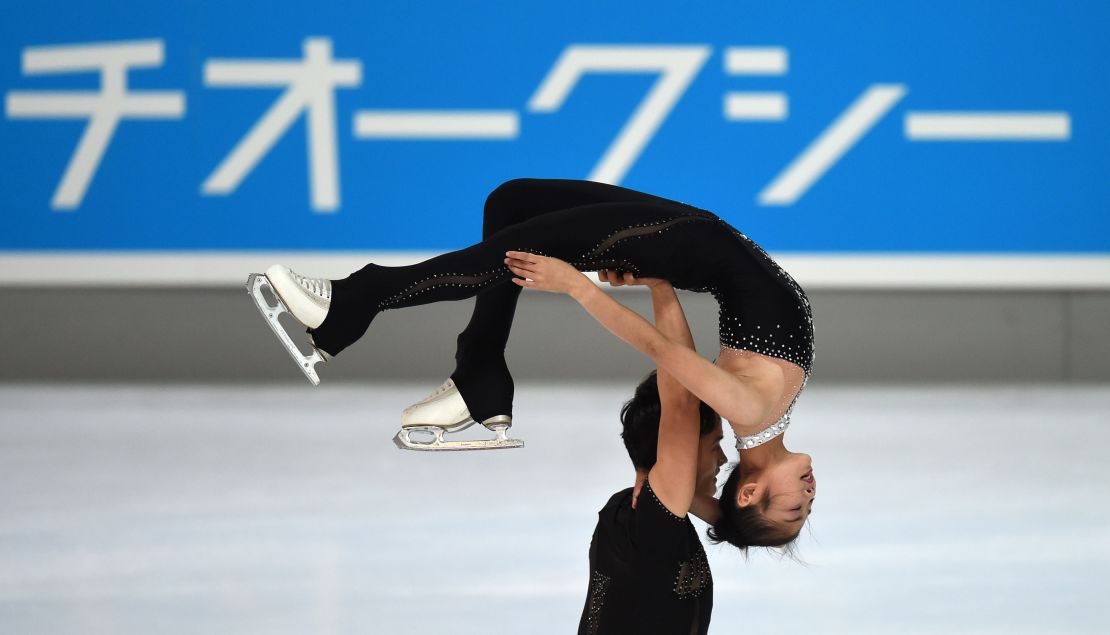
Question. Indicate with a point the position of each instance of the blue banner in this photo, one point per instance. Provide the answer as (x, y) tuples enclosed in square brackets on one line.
[(831, 127)]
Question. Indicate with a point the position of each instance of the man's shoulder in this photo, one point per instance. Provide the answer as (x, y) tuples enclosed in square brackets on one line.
[(619, 500), (613, 535), (617, 511)]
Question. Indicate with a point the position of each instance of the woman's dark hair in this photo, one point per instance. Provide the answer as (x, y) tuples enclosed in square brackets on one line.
[(640, 419), (744, 527)]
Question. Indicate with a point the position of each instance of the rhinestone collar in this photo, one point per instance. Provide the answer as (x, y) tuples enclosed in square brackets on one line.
[(765, 435)]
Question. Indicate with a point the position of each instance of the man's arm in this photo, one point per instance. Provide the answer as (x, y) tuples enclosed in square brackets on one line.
[(671, 322), (675, 472)]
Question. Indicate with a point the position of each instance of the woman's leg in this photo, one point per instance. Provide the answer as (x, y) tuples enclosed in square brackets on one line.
[(605, 235), (481, 374)]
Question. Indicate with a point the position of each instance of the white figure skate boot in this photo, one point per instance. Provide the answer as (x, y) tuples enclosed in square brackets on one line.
[(306, 299), (445, 412)]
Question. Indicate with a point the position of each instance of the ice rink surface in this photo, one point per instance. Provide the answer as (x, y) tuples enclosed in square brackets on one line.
[(184, 510)]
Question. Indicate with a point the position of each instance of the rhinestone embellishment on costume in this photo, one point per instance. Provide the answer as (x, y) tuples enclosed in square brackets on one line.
[(641, 230), (599, 585), (647, 486), (765, 435), (790, 339), (693, 575), (478, 281)]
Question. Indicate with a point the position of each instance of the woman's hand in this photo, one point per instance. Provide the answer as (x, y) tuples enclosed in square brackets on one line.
[(617, 279), (545, 273)]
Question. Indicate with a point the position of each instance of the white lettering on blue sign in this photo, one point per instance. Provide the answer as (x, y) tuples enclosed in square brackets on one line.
[(104, 108), (311, 84), (677, 66)]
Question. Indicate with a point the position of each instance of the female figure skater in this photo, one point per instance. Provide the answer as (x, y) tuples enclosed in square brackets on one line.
[(546, 232), (648, 570)]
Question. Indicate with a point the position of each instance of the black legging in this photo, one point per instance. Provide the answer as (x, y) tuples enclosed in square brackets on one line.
[(591, 226), (481, 373)]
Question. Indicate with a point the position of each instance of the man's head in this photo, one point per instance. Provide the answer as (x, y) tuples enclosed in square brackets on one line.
[(640, 420)]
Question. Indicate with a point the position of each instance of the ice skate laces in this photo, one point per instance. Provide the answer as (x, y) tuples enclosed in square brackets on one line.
[(316, 286)]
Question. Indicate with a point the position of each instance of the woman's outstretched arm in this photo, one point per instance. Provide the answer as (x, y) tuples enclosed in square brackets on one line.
[(740, 402)]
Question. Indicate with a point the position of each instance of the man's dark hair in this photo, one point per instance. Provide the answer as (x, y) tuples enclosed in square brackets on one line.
[(640, 419)]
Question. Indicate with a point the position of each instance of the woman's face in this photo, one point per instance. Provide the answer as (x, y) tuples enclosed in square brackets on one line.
[(790, 489), (710, 459)]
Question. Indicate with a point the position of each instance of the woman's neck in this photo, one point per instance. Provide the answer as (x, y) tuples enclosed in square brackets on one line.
[(760, 457)]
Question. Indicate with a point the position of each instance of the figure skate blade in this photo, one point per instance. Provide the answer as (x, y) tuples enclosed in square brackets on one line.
[(270, 313), (404, 441)]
